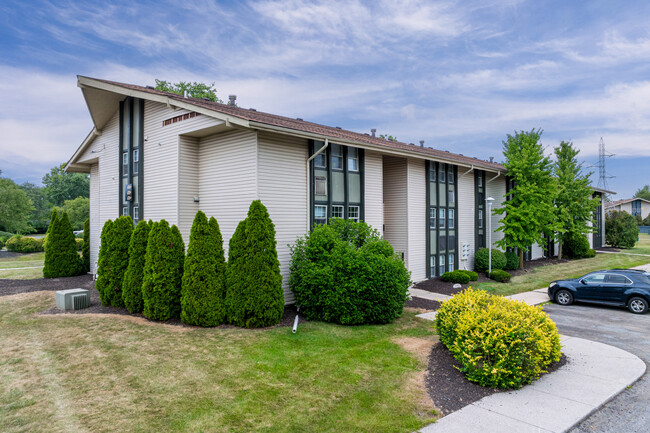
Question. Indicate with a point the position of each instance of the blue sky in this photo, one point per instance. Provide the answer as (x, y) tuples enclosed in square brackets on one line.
[(459, 75)]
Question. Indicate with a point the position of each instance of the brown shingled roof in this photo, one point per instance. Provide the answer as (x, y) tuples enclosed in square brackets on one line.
[(312, 128)]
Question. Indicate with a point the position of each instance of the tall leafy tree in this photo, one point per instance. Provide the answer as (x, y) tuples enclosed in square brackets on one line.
[(203, 292), (61, 186), (574, 203), (15, 208), (193, 89), (643, 192), (528, 211), (61, 257), (132, 285), (254, 296), (39, 217), (78, 211)]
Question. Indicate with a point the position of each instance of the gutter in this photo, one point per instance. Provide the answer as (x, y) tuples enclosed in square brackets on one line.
[(321, 150)]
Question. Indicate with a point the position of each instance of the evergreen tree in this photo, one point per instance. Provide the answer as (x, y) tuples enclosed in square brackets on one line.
[(529, 209), (119, 259), (163, 271), (255, 297), (61, 257), (53, 220), (203, 293), (574, 203), (85, 249), (132, 285), (104, 266)]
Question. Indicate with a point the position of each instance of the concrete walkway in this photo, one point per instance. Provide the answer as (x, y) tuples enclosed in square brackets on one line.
[(618, 252), (594, 374)]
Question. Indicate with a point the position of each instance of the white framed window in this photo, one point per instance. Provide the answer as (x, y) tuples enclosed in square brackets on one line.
[(451, 195), (450, 224), (125, 211), (353, 159), (432, 266), (432, 172), (450, 264), (353, 213), (125, 163), (450, 175), (480, 181), (337, 211), (441, 264), (441, 218), (480, 218), (337, 157), (136, 161), (320, 160), (136, 213), (320, 214), (320, 185), (441, 175), (432, 218)]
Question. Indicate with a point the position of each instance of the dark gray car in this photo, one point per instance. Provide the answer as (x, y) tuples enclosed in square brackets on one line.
[(619, 287)]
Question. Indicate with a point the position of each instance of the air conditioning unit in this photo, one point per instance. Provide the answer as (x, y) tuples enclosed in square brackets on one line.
[(72, 299)]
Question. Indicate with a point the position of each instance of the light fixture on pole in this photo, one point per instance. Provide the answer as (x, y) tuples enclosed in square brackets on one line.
[(489, 201)]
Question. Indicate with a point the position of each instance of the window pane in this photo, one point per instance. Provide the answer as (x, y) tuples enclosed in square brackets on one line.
[(125, 163), (125, 211), (337, 211), (451, 219), (353, 213), (353, 159), (136, 213), (442, 194), (480, 218), (320, 160), (433, 242), (480, 180), (320, 185), (451, 263), (451, 195), (337, 157), (136, 161), (338, 186), (595, 278), (433, 197), (442, 241), (441, 219), (441, 264), (432, 172), (354, 187), (451, 242), (432, 218), (432, 266), (450, 174), (441, 174), (320, 214)]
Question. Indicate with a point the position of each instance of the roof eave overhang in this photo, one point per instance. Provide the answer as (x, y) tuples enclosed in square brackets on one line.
[(376, 147), (72, 166)]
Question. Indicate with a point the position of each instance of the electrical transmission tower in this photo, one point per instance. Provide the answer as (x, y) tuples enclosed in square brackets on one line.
[(602, 172)]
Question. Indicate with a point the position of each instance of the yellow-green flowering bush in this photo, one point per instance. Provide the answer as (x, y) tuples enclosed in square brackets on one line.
[(499, 342)]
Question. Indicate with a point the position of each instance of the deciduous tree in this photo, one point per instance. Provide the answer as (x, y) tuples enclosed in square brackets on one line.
[(193, 89), (61, 186), (15, 208)]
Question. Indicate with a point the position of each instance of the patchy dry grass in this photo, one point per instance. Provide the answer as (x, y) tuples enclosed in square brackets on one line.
[(96, 373), (29, 266)]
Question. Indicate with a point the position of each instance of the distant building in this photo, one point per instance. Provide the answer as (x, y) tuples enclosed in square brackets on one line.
[(633, 206)]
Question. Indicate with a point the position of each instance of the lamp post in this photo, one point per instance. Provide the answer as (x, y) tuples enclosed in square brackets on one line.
[(489, 201)]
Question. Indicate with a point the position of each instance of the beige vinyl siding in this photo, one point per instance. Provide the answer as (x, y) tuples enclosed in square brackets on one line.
[(497, 190), (466, 209), (227, 178), (282, 186), (417, 223), (95, 224), (395, 204), (537, 252), (188, 184), (161, 162), (373, 190)]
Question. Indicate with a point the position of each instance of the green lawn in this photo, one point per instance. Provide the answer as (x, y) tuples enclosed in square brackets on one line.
[(542, 276), (105, 373), (31, 266)]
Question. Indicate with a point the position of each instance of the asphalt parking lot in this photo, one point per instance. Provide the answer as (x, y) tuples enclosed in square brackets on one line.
[(628, 412)]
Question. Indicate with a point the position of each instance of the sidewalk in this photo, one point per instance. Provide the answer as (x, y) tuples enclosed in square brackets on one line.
[(595, 373)]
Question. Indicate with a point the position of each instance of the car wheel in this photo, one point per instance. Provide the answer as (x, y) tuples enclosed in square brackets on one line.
[(638, 305), (564, 297)]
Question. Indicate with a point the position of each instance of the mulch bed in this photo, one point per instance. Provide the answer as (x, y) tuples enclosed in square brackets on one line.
[(13, 287), (436, 285), (423, 304), (448, 387), (8, 254)]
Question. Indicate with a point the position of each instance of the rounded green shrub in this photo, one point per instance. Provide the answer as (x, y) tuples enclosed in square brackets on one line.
[(79, 243), (499, 276), (344, 272), (163, 271), (621, 230), (254, 296), (2, 243), (132, 284), (5, 235), (481, 259), (512, 261), (204, 287), (456, 276), (85, 249), (575, 245), (61, 256), (590, 253), (473, 276), (500, 343), (118, 243), (24, 244), (104, 267)]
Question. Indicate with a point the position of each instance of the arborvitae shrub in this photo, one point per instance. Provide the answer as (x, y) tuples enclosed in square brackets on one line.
[(163, 271), (203, 293), (344, 272), (53, 219), (104, 266), (512, 261), (575, 246), (85, 249), (254, 287), (499, 342), (132, 284), (646, 221), (481, 260), (61, 257), (621, 230), (120, 237)]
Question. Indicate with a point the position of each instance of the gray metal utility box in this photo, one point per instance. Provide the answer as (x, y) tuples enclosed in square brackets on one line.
[(72, 299)]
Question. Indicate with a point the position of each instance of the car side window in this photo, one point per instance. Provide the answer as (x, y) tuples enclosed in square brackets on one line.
[(594, 279), (616, 279)]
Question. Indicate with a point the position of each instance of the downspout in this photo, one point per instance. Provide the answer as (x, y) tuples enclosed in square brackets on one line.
[(321, 150), (467, 172), (498, 174)]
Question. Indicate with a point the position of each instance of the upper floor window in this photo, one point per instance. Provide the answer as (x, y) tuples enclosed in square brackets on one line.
[(353, 159), (337, 157), (136, 161)]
